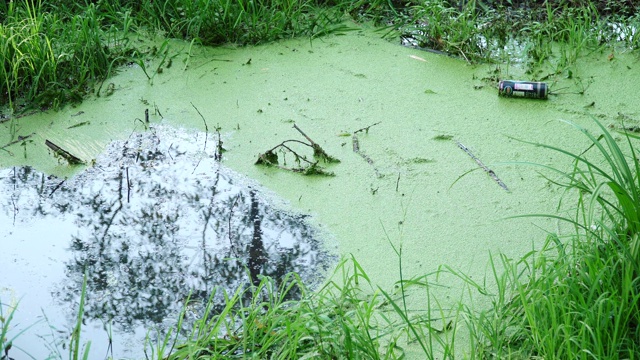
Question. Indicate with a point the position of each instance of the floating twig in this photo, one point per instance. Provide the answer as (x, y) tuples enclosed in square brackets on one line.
[(295, 126), (5, 118), (206, 128), (356, 147), (206, 135), (79, 124), (19, 139), (57, 187), (318, 152), (483, 166), (270, 157), (71, 159), (366, 128)]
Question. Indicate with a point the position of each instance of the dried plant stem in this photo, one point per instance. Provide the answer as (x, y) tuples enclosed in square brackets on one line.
[(483, 166)]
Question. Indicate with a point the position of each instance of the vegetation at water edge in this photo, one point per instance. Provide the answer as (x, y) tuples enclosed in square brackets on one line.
[(56, 53)]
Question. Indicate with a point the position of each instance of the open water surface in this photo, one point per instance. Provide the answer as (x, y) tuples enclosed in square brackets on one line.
[(155, 220)]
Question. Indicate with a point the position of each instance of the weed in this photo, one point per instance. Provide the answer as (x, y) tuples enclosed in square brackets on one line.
[(52, 53), (48, 62), (74, 348), (335, 322)]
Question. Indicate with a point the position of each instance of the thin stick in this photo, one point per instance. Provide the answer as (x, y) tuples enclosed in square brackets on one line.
[(128, 187), (356, 148), (483, 166), (206, 128), (5, 119), (57, 187), (157, 110), (235, 201), (305, 135), (20, 138), (366, 129), (206, 135)]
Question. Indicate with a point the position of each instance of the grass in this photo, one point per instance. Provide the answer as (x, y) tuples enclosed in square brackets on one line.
[(544, 35), (237, 21), (577, 297), (337, 322), (52, 55), (48, 61)]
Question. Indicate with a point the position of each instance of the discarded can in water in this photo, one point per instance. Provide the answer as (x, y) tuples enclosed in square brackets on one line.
[(528, 89)]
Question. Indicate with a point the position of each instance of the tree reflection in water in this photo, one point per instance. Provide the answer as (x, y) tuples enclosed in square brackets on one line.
[(157, 219)]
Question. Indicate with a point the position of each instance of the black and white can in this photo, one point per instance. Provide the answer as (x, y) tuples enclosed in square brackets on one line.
[(527, 89)]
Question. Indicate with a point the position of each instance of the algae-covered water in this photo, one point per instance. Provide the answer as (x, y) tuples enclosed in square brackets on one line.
[(410, 183)]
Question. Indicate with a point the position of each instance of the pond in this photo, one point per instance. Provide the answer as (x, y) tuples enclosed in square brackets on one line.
[(411, 184), (156, 220)]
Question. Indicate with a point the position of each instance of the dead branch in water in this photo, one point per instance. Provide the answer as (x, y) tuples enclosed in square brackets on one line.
[(72, 160), (318, 152), (270, 157), (219, 150), (483, 166), (19, 139)]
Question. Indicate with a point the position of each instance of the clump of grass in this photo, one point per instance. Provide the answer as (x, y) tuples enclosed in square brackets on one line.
[(214, 22), (577, 297), (345, 319), (47, 60), (481, 31), (5, 324), (52, 52), (439, 26), (75, 350)]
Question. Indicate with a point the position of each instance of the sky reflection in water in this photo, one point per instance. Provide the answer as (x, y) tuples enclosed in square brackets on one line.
[(156, 219)]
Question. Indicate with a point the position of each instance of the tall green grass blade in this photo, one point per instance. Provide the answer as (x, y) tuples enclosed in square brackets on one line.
[(74, 346)]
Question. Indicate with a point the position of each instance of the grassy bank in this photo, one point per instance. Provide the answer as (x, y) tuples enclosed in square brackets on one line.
[(57, 53)]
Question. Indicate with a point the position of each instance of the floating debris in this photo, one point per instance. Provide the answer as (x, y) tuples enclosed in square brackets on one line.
[(270, 157), (525, 89), (58, 151), (356, 148), (483, 166)]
